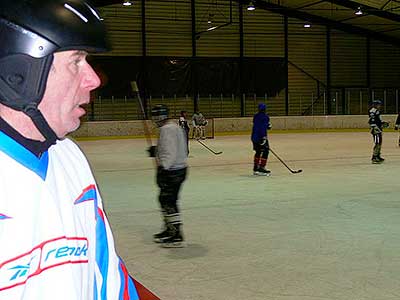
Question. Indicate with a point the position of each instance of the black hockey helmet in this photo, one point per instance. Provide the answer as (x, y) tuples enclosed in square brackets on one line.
[(377, 102), (31, 31), (159, 113)]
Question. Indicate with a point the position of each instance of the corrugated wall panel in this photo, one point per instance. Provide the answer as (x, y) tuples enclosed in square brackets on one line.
[(349, 59), (307, 48), (263, 34), (307, 67), (168, 28), (169, 34), (385, 65), (124, 27), (224, 41)]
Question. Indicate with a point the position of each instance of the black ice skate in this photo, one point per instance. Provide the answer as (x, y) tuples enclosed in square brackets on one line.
[(174, 241), (159, 237), (381, 159), (376, 160), (262, 172)]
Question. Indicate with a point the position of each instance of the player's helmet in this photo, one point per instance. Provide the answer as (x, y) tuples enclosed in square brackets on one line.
[(159, 113), (30, 32), (377, 102), (262, 107)]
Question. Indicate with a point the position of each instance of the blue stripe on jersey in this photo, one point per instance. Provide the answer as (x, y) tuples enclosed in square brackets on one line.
[(128, 289), (4, 217), (132, 290), (24, 156), (102, 252), (95, 289)]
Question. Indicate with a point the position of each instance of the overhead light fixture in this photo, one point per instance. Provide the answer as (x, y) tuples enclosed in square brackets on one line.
[(251, 6), (127, 3), (307, 25), (212, 28), (358, 12)]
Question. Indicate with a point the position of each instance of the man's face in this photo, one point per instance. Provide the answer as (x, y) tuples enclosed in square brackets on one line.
[(68, 87)]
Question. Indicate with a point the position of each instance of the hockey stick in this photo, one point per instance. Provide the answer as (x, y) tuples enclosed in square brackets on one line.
[(293, 171), (208, 148), (145, 126)]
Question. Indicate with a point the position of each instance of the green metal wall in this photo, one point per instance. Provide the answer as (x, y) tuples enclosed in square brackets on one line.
[(168, 32)]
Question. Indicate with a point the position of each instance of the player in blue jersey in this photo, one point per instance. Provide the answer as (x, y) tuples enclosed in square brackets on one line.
[(259, 137), (56, 242)]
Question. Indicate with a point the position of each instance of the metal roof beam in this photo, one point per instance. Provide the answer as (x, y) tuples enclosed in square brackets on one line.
[(293, 13), (367, 9)]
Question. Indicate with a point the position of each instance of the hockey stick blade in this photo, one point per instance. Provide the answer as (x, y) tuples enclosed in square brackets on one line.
[(208, 148), (292, 171)]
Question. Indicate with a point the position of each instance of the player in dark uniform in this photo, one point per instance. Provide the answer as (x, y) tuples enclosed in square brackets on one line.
[(261, 125), (376, 124), (397, 125), (171, 156), (183, 123)]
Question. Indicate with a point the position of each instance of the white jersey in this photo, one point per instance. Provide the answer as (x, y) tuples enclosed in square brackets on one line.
[(55, 239), (172, 147)]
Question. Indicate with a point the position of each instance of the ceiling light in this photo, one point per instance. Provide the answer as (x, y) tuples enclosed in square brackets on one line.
[(127, 3), (358, 12), (251, 6), (307, 25), (212, 28)]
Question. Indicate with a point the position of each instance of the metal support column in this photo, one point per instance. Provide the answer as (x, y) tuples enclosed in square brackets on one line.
[(194, 55), (286, 37), (328, 70), (143, 92), (241, 45)]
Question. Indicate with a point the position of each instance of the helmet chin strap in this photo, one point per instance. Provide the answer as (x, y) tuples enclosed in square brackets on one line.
[(40, 122)]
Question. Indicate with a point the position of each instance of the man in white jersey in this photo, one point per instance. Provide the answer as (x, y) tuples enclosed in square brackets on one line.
[(199, 123), (171, 155), (56, 242)]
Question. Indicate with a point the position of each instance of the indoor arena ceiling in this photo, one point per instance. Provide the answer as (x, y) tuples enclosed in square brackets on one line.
[(379, 19)]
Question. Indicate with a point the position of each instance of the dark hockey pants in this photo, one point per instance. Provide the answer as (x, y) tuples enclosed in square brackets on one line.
[(377, 137), (261, 155), (169, 182)]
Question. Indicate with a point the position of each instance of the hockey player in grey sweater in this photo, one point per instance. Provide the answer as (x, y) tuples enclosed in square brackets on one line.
[(171, 156)]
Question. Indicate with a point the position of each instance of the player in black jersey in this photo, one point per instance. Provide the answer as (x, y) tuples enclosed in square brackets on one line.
[(397, 125), (376, 125), (183, 123)]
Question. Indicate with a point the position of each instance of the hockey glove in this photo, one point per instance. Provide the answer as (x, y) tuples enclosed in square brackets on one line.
[(396, 127), (376, 130), (152, 151)]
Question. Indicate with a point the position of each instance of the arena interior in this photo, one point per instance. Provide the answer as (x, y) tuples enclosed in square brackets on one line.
[(328, 232)]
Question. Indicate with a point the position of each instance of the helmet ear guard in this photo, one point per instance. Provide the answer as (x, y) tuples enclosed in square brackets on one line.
[(23, 80), (22, 84)]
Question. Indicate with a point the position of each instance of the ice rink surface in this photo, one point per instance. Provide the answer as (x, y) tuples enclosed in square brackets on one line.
[(329, 233)]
